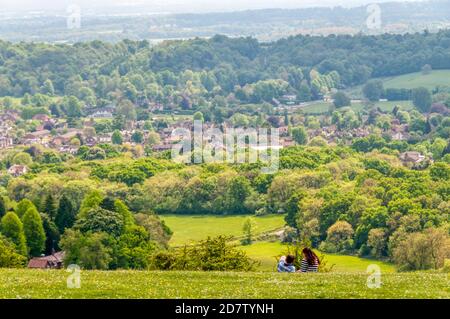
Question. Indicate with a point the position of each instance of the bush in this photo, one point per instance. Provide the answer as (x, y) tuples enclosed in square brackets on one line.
[(8, 256), (212, 254)]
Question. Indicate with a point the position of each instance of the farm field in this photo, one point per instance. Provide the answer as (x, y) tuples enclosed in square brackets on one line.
[(388, 106), (151, 284), (413, 80), (409, 81), (188, 228)]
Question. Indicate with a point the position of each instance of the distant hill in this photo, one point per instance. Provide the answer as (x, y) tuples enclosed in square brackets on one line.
[(265, 25)]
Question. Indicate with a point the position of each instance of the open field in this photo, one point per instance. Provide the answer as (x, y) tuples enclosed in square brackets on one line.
[(148, 284), (409, 81), (323, 107), (188, 228), (266, 253), (414, 80), (192, 228)]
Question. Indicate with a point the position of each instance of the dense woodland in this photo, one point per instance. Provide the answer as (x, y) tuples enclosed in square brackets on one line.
[(350, 195), (203, 70)]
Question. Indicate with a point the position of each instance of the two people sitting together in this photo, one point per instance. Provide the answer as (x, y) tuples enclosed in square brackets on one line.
[(309, 263)]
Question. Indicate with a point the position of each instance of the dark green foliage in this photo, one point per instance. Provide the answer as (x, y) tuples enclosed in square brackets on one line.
[(422, 99), (101, 220), (12, 229), (66, 214), (341, 99), (50, 207), (373, 90), (34, 232), (212, 254), (51, 234), (2, 207)]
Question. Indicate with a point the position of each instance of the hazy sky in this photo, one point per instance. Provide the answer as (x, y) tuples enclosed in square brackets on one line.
[(175, 5)]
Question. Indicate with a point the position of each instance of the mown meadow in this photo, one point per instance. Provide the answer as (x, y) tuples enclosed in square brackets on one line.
[(149, 284)]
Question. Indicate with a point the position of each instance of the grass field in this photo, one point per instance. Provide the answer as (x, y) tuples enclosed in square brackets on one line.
[(266, 253), (188, 228), (139, 284), (414, 80), (409, 81), (323, 107)]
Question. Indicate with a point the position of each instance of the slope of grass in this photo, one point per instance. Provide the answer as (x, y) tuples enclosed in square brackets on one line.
[(266, 253), (189, 228), (408, 81), (147, 284), (387, 106), (414, 80)]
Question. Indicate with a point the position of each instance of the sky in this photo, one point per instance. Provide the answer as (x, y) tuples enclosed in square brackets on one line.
[(174, 6)]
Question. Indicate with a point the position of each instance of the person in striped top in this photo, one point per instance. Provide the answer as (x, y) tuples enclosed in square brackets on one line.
[(310, 261)]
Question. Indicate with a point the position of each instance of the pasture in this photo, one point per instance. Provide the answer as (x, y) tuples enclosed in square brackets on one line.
[(189, 228), (25, 283)]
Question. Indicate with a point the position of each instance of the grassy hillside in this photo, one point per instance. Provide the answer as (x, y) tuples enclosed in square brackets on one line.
[(414, 80), (188, 228), (409, 81), (266, 254), (148, 284), (323, 107)]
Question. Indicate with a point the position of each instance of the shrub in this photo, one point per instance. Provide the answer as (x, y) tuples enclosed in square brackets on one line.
[(8, 256), (212, 254)]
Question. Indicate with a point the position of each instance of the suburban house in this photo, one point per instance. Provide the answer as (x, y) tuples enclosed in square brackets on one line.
[(17, 170), (102, 114), (162, 147), (38, 137), (412, 157), (54, 261), (5, 141)]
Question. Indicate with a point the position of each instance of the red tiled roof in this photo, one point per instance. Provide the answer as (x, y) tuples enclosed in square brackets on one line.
[(38, 263)]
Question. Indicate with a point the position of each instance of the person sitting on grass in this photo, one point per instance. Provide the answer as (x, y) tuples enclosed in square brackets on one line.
[(310, 261), (286, 264)]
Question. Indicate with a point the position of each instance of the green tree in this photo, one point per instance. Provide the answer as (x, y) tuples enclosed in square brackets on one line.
[(65, 216), (51, 234), (373, 90), (50, 207), (48, 88), (117, 138), (24, 205), (12, 228), (99, 220), (422, 99), (137, 137), (300, 135), (22, 158), (2, 207), (341, 99), (248, 232), (34, 232), (90, 251), (198, 116)]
